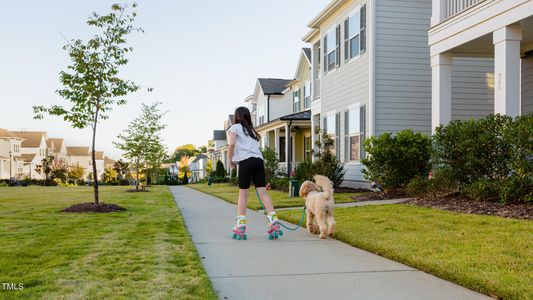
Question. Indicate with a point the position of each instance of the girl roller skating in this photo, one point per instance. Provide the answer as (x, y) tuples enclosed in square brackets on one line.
[(244, 151)]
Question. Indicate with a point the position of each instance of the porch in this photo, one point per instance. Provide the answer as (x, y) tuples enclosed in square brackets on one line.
[(497, 32), (290, 137)]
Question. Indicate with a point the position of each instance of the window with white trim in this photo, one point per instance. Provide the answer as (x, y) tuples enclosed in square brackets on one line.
[(331, 48), (16, 148), (355, 34), (296, 101), (261, 114), (330, 124), (353, 133), (307, 95)]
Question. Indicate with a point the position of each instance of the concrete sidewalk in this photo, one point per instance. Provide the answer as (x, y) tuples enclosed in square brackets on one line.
[(299, 265)]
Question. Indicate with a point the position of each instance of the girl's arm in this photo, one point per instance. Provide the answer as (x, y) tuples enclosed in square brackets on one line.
[(231, 148)]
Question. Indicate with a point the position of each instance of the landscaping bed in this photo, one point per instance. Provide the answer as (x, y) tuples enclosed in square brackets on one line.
[(463, 205), (371, 196), (488, 254), (145, 253), (92, 207)]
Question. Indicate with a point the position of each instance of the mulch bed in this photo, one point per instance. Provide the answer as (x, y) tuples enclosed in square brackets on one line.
[(136, 191), (462, 205), (351, 190), (380, 196), (92, 207)]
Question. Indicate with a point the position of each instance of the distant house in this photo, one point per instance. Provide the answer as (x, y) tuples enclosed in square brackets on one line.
[(79, 156), (220, 149), (197, 166), (108, 162), (34, 148), (59, 151), (11, 161), (100, 163)]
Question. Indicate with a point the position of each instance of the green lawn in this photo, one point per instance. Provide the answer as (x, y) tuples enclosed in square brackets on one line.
[(142, 253), (488, 254), (230, 193)]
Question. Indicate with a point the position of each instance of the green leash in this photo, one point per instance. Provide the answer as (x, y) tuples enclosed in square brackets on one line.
[(299, 223)]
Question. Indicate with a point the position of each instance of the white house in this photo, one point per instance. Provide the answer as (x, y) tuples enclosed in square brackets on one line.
[(371, 74), (79, 156), (59, 151), (197, 166), (34, 148), (11, 162), (500, 31)]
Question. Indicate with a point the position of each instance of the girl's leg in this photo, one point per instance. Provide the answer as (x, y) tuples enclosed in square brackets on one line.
[(267, 202), (243, 200)]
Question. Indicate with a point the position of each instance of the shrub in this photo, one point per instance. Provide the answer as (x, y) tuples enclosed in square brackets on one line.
[(392, 161), (489, 158), (280, 184), (418, 186), (326, 162), (185, 179), (271, 161), (473, 150), (3, 184), (304, 171), (220, 171)]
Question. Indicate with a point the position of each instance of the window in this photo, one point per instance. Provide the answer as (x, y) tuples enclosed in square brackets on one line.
[(16, 148), (296, 98), (332, 49), (330, 124), (281, 149), (355, 34), (307, 147), (307, 95), (261, 114), (354, 133)]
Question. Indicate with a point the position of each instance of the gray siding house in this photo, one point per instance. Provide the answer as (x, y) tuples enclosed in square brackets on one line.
[(371, 73)]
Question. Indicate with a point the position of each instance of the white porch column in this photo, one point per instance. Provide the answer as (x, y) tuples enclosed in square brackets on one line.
[(441, 89), (276, 141), (287, 144), (507, 70)]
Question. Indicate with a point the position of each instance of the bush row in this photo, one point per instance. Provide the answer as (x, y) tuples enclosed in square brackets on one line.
[(489, 158)]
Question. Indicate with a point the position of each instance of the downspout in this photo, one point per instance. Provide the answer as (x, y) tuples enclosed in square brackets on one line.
[(289, 154), (268, 109)]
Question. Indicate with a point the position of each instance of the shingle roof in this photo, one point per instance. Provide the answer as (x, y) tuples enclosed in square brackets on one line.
[(99, 154), (28, 157), (219, 135), (78, 151), (307, 52), (108, 161), (32, 139), (4, 133), (273, 86), (303, 115), (57, 142)]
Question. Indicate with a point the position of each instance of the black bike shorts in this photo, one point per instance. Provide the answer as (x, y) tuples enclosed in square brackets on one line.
[(251, 169)]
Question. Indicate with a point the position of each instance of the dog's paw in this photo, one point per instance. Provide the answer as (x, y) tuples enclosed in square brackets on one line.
[(323, 235)]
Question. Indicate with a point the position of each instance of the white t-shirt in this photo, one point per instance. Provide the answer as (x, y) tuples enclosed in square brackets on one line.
[(245, 146)]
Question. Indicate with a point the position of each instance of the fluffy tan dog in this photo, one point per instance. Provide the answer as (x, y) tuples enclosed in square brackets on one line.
[(320, 204)]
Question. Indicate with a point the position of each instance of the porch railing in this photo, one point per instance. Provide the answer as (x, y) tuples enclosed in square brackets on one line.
[(454, 7)]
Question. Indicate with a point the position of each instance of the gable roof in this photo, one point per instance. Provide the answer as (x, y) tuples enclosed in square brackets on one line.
[(32, 139), (4, 133), (98, 154), (273, 86), (307, 52), (57, 142), (108, 161), (28, 157), (219, 135), (78, 151)]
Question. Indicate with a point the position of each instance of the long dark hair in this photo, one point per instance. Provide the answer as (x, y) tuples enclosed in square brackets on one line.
[(242, 116)]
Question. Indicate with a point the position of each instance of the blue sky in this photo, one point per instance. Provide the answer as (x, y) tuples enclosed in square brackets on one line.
[(201, 58)]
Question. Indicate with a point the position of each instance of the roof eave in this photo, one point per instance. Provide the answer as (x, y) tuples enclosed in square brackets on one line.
[(325, 13)]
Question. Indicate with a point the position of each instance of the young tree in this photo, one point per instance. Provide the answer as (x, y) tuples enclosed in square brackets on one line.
[(141, 141), (91, 84), (76, 173), (47, 166), (122, 168), (110, 175)]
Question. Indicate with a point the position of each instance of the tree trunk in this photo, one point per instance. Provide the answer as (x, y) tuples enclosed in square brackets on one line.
[(137, 174), (95, 172)]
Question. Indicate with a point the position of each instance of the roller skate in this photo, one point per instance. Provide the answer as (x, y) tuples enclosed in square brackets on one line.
[(239, 228), (274, 226)]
